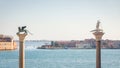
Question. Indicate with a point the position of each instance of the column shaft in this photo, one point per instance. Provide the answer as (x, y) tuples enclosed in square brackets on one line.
[(98, 54), (21, 55)]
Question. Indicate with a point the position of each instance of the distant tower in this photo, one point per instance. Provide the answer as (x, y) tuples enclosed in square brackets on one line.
[(98, 33), (52, 43)]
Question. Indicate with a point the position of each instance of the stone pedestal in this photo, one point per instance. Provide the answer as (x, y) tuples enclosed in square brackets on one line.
[(98, 36), (21, 50)]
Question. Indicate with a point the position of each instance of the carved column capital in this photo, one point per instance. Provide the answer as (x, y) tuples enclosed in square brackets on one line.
[(98, 35), (21, 36)]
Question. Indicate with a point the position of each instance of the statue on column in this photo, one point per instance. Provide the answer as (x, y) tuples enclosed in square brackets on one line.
[(97, 27), (22, 29)]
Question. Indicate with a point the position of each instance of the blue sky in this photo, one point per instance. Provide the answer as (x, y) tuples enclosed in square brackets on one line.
[(60, 19)]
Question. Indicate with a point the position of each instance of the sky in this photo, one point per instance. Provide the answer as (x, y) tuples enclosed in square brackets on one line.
[(60, 19)]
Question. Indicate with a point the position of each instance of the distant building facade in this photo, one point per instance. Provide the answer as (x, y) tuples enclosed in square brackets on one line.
[(83, 44), (7, 43)]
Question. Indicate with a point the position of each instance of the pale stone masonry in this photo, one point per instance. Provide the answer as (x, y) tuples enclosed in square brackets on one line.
[(7, 43)]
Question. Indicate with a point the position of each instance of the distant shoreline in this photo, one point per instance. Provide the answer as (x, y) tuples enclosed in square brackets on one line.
[(75, 48)]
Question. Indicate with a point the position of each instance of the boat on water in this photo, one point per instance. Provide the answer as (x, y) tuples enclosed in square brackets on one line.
[(7, 42)]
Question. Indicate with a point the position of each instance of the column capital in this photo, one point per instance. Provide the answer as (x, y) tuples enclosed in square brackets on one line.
[(21, 36), (98, 35)]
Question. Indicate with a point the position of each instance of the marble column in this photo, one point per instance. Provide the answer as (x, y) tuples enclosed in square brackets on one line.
[(98, 36), (21, 50)]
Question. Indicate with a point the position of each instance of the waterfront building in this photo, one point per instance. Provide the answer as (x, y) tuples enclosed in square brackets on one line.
[(7, 43), (80, 45)]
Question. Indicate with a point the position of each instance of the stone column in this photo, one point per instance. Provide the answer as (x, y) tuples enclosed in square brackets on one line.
[(98, 36), (21, 50)]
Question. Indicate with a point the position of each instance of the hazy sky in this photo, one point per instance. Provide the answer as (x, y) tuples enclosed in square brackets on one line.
[(60, 19)]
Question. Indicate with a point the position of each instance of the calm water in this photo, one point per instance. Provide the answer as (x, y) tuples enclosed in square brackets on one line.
[(61, 58)]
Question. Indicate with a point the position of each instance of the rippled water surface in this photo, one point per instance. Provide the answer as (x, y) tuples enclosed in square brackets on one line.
[(61, 58)]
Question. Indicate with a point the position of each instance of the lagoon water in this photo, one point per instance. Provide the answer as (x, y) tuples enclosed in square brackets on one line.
[(61, 58)]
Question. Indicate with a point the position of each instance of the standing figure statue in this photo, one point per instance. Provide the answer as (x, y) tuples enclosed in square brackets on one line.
[(98, 24), (97, 27)]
